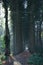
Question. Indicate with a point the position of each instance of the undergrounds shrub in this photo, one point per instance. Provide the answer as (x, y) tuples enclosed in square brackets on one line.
[(35, 59)]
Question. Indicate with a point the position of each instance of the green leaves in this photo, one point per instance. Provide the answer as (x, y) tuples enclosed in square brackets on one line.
[(35, 59), (2, 57), (2, 45)]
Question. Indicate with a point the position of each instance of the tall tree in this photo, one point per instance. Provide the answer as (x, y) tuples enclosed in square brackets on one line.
[(7, 34), (16, 26), (30, 10)]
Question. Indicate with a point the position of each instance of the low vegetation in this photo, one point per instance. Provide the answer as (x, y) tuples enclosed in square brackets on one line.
[(2, 58), (35, 59)]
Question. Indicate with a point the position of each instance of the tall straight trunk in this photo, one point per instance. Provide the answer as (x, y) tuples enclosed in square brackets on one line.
[(7, 34), (31, 29), (17, 35)]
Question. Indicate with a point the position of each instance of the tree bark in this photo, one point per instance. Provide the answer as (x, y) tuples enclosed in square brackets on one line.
[(7, 34)]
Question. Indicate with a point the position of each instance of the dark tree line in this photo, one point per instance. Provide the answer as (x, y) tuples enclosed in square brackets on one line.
[(23, 21)]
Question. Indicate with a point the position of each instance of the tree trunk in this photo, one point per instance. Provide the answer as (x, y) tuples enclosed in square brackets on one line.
[(17, 35), (7, 34)]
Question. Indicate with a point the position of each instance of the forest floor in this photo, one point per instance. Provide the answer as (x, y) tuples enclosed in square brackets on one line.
[(20, 59)]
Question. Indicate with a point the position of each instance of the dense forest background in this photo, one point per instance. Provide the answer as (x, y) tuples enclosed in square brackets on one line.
[(21, 26), (21, 32)]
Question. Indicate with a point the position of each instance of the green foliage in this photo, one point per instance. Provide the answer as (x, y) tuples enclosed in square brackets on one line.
[(35, 59), (2, 57), (2, 45), (0, 63), (42, 34), (3, 41)]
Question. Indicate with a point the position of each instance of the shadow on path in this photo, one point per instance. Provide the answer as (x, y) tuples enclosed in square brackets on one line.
[(20, 59)]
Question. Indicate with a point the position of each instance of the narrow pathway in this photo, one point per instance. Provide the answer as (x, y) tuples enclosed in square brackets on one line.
[(23, 57), (20, 59)]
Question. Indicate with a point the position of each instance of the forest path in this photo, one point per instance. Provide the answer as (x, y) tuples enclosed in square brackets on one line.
[(20, 59)]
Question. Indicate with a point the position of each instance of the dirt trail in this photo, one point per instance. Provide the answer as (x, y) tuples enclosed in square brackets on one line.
[(20, 59)]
